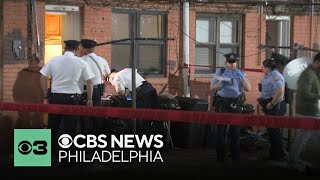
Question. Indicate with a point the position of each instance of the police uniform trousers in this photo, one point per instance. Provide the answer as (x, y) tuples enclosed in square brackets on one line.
[(92, 124), (147, 98), (224, 105), (60, 123), (275, 136)]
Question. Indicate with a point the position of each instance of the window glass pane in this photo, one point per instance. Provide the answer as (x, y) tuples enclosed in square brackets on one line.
[(151, 26), (204, 57), (150, 59), (226, 32), (120, 56), (120, 26), (202, 31), (285, 37)]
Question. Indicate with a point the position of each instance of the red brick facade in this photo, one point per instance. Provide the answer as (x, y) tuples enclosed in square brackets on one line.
[(96, 23), (1, 52)]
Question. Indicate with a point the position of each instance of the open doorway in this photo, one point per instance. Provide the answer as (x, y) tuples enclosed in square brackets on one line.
[(278, 34), (61, 23)]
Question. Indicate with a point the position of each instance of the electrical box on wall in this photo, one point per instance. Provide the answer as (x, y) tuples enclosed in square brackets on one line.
[(17, 49)]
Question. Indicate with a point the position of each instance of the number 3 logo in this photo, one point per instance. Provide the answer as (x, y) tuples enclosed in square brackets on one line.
[(25, 147)]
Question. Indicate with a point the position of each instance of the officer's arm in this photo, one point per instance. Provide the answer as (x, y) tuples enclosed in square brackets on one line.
[(43, 84), (105, 84), (89, 89), (120, 89), (245, 84), (215, 87), (107, 71), (279, 94)]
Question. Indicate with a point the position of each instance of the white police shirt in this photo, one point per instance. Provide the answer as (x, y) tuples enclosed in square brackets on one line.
[(66, 72), (122, 80), (103, 65)]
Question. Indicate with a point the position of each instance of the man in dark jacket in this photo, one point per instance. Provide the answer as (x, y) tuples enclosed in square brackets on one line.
[(307, 105)]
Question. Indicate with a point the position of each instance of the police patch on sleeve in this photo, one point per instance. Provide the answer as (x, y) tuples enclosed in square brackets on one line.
[(276, 78)]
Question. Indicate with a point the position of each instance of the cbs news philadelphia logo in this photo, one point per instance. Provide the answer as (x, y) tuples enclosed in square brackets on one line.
[(32, 147)]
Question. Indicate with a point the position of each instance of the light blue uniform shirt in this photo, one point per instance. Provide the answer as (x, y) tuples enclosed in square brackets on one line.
[(229, 90), (270, 83)]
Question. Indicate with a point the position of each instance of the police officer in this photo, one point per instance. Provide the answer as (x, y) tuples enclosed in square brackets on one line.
[(272, 92), (65, 71), (101, 70), (229, 83), (146, 94)]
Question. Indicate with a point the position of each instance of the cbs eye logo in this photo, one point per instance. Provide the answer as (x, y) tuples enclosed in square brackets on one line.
[(38, 147), (65, 141)]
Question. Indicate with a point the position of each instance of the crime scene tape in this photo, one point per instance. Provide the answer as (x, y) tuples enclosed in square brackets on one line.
[(168, 115)]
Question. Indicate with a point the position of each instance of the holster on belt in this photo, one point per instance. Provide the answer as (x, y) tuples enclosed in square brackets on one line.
[(238, 100), (229, 104), (263, 103)]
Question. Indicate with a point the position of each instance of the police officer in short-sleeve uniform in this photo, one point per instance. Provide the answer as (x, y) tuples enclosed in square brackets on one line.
[(229, 99), (146, 96), (66, 71), (272, 93), (101, 70)]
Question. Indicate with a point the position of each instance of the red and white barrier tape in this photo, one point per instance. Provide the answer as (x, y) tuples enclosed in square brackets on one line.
[(168, 115)]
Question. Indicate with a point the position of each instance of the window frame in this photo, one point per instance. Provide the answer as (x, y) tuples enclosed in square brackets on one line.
[(214, 47), (134, 22)]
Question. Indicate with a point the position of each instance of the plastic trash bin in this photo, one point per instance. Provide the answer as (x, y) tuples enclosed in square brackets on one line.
[(189, 135)]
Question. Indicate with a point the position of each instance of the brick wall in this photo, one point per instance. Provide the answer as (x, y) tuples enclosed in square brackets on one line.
[(305, 31), (316, 32), (15, 28), (1, 52), (96, 24), (252, 55), (301, 30), (174, 56)]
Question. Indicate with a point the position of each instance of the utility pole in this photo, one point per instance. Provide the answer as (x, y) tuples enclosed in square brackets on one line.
[(186, 88), (134, 67), (30, 29), (259, 30)]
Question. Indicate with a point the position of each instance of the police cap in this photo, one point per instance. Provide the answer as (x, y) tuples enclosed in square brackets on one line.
[(231, 57), (88, 43), (72, 43)]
